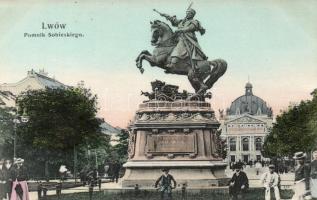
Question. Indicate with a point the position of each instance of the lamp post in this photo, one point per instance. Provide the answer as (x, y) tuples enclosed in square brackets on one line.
[(17, 120)]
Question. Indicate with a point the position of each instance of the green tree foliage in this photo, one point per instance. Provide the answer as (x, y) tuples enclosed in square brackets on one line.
[(294, 130), (59, 119), (121, 149), (6, 132)]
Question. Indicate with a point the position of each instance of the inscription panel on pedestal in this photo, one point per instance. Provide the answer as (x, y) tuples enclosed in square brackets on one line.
[(176, 144)]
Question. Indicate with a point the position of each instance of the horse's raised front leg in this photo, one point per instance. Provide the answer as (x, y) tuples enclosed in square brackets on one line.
[(140, 58), (219, 68)]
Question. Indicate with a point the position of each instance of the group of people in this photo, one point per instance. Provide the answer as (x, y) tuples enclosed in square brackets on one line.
[(13, 180), (305, 186)]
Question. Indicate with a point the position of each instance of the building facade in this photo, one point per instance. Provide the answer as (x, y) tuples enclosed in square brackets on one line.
[(33, 81), (245, 126)]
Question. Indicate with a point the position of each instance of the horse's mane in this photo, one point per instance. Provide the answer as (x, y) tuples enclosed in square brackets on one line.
[(164, 24)]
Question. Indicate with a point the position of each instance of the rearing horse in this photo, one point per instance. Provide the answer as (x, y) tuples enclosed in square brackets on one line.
[(202, 75)]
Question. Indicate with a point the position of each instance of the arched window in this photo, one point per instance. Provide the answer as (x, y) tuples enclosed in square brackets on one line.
[(245, 144), (258, 144), (233, 144)]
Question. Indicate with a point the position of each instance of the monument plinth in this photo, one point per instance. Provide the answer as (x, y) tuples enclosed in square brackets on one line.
[(180, 135)]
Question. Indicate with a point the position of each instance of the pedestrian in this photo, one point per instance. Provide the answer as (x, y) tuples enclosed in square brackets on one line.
[(258, 167), (62, 172), (2, 181), (313, 175), (165, 182), (270, 180), (20, 190), (302, 173), (6, 170), (238, 184), (116, 170), (106, 168)]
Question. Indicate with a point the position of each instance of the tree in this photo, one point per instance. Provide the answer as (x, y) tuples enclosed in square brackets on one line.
[(121, 149), (59, 121), (6, 132), (294, 130)]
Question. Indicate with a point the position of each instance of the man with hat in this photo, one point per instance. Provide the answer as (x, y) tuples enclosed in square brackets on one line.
[(166, 183), (270, 180), (302, 173), (187, 45), (238, 184)]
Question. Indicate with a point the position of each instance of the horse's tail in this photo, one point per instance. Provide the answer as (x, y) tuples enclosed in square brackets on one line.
[(219, 68)]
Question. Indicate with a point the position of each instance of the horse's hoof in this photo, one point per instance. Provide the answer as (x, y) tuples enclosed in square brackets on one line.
[(141, 70)]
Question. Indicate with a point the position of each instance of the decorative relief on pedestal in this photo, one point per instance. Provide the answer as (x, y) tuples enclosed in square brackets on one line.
[(144, 117), (131, 147), (171, 117), (198, 117), (155, 117), (186, 130), (174, 116)]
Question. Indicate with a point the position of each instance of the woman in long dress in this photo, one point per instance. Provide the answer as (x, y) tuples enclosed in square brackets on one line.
[(20, 190)]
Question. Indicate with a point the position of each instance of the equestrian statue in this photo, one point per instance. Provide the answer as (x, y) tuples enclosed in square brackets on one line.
[(178, 52)]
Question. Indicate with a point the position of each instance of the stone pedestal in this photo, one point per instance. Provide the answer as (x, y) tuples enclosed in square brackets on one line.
[(179, 135)]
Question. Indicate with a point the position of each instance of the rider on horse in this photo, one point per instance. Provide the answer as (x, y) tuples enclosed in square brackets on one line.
[(187, 45)]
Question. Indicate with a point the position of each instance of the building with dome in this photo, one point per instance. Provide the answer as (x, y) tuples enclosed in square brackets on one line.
[(245, 125)]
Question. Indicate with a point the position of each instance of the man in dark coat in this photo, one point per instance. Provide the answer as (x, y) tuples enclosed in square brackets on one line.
[(116, 170), (239, 183), (166, 183), (7, 170)]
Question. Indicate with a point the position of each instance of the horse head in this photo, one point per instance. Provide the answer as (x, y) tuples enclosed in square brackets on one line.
[(160, 32)]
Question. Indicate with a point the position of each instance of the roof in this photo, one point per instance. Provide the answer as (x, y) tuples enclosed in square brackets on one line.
[(7, 99), (48, 82), (250, 104), (33, 80), (107, 129)]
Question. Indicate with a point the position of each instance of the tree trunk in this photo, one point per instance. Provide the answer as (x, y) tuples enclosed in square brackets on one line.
[(47, 175), (75, 164)]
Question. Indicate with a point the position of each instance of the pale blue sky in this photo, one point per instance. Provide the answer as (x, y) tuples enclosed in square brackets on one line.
[(274, 42)]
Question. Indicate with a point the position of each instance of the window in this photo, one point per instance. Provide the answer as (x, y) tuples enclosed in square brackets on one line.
[(233, 158), (233, 144), (258, 144), (245, 144), (246, 158)]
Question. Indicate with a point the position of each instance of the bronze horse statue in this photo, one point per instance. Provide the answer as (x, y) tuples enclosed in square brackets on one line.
[(202, 75)]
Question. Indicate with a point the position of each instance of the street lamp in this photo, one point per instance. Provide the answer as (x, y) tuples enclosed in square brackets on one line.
[(17, 120)]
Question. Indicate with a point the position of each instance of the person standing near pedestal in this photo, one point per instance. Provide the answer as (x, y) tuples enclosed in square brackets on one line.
[(239, 184), (302, 173), (313, 175), (270, 180), (166, 183)]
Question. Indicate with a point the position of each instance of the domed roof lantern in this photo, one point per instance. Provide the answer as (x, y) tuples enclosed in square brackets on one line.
[(248, 89)]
